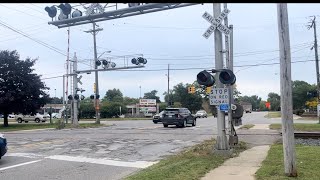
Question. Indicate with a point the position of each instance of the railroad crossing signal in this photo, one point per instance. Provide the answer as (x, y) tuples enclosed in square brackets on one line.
[(216, 23)]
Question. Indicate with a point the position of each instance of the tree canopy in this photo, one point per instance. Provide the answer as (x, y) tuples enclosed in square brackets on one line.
[(152, 95), (114, 95), (21, 90)]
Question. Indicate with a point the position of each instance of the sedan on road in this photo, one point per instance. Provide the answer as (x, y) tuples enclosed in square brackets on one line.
[(157, 117), (3, 145), (178, 116), (201, 114)]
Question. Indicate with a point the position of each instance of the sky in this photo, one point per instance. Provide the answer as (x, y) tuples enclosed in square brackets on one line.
[(167, 37)]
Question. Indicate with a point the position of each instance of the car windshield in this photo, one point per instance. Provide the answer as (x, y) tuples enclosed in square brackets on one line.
[(201, 112)]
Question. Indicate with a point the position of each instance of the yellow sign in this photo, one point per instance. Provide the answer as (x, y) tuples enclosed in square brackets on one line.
[(208, 90), (94, 87)]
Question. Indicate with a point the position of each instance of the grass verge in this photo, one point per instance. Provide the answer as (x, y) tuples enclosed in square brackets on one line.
[(309, 118), (299, 127), (17, 127), (117, 119), (274, 114), (191, 163), (308, 162), (247, 126)]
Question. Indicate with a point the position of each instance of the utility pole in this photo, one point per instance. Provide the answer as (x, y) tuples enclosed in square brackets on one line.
[(168, 86), (222, 143), (313, 25), (75, 90), (97, 104), (286, 92), (228, 64)]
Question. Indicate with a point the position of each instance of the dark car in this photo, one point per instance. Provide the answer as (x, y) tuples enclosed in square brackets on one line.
[(157, 117), (3, 145), (178, 116)]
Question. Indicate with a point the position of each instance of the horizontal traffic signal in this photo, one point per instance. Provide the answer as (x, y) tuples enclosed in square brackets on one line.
[(205, 78), (225, 76)]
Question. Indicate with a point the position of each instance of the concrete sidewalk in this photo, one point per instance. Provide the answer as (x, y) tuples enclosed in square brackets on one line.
[(244, 166)]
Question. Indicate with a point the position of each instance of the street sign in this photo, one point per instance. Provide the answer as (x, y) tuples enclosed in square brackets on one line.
[(216, 23), (224, 107), (219, 96), (79, 78)]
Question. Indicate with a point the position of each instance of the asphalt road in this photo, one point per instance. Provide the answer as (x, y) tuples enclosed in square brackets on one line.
[(111, 152)]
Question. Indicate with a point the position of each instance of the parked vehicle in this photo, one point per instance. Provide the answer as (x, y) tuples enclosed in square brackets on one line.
[(3, 145), (157, 117), (201, 114), (11, 116), (30, 117), (178, 116)]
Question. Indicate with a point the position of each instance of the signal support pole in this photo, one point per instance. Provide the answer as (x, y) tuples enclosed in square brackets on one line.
[(286, 92), (97, 104), (222, 142), (313, 24), (168, 86), (75, 88)]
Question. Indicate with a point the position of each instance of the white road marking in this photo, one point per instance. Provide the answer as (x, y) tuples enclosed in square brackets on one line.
[(17, 165), (27, 155), (136, 164)]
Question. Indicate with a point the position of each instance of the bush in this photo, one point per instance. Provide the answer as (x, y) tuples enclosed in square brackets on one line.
[(111, 109)]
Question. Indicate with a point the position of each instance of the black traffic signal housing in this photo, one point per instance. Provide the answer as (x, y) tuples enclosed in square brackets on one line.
[(65, 8), (93, 96), (205, 78), (139, 60), (52, 11), (70, 97), (226, 76), (76, 97)]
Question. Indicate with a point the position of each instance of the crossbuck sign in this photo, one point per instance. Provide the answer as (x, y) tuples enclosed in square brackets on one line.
[(216, 23)]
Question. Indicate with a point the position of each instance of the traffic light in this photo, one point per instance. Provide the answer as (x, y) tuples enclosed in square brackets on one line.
[(208, 90), (139, 60), (92, 96), (76, 97), (226, 76), (76, 13), (205, 78), (98, 62), (191, 89), (52, 11), (65, 8)]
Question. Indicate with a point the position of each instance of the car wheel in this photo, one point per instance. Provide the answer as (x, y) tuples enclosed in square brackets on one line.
[(19, 120), (184, 124), (37, 120), (26, 121), (44, 121), (194, 123), (155, 122), (165, 125)]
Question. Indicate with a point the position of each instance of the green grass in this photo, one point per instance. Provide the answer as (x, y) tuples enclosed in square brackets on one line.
[(192, 163), (273, 114), (307, 161), (17, 127), (247, 126), (299, 127), (309, 118)]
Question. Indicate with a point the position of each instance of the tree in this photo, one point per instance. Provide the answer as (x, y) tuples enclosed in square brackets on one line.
[(254, 100), (274, 100), (129, 100), (191, 101), (112, 109), (21, 90), (299, 93), (152, 95), (55, 100), (114, 95)]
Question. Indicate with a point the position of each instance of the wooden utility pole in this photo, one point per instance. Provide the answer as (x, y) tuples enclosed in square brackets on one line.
[(315, 46), (286, 92)]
